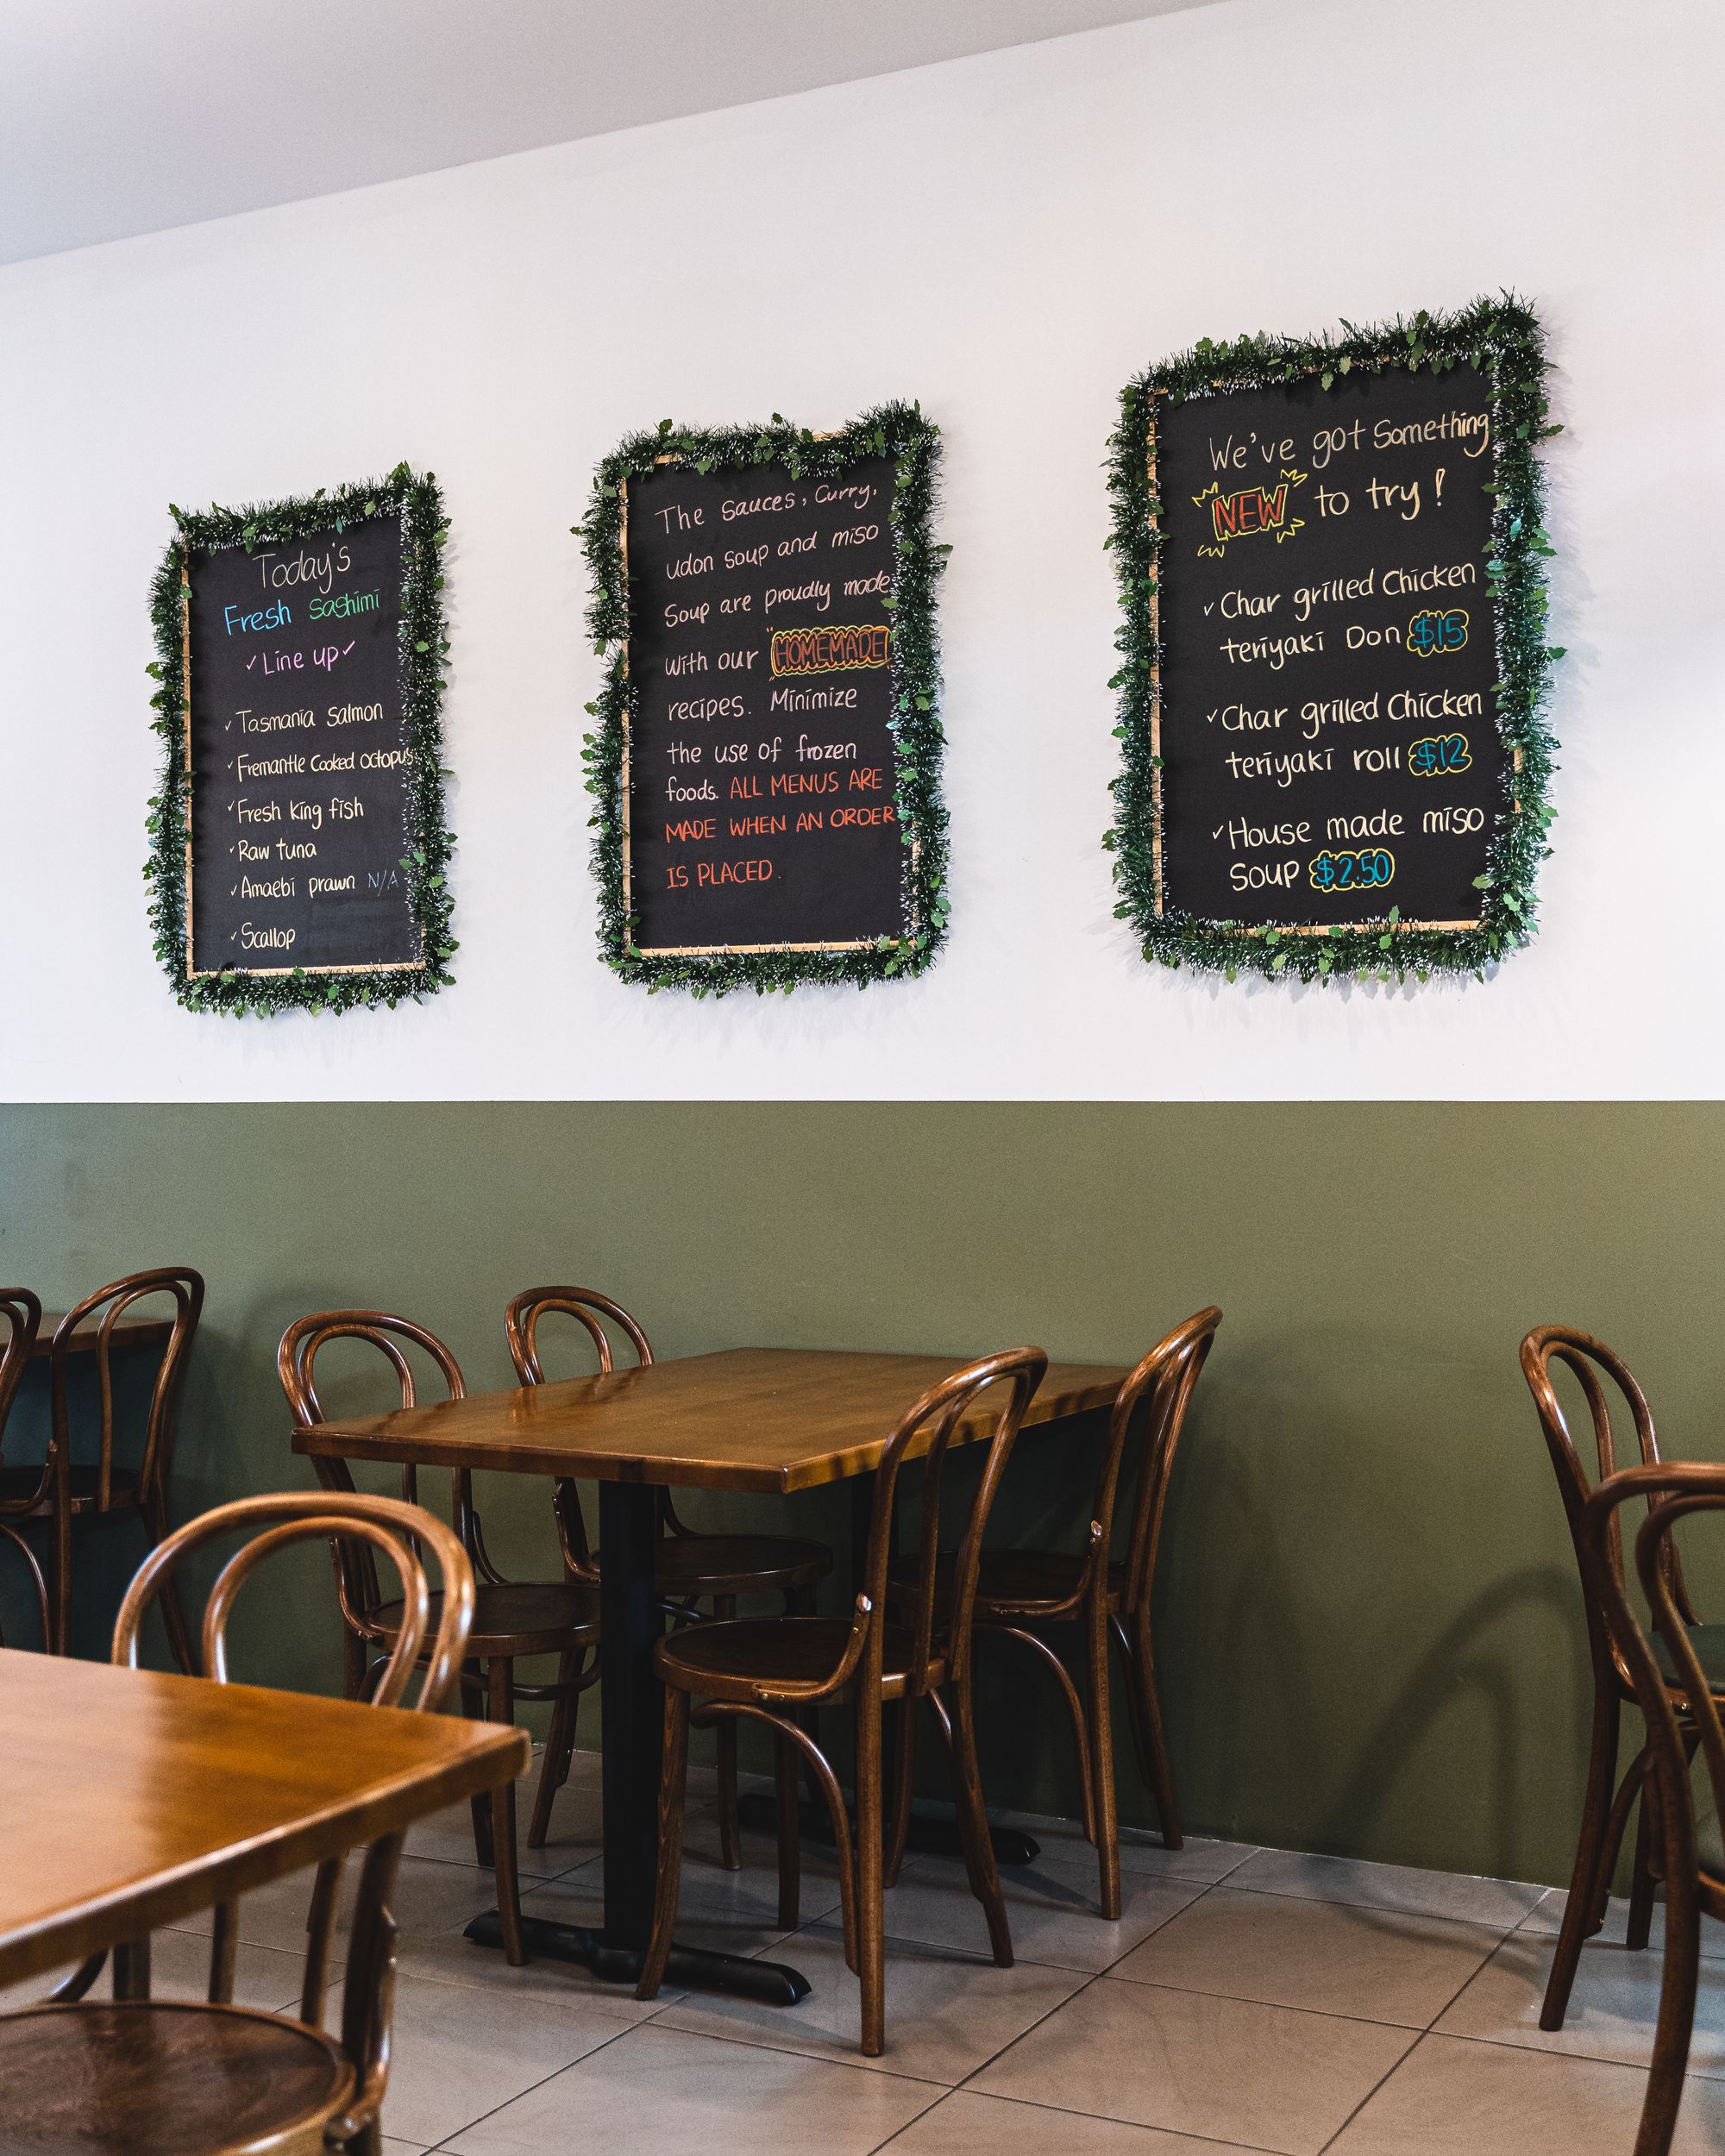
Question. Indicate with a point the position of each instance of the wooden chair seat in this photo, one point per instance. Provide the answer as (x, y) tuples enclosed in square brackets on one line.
[(155, 2078), (517, 1617), (734, 1660), (18, 1485), (698, 1564), (1010, 1583)]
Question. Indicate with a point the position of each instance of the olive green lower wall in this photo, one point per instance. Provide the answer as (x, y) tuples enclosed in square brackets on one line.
[(1368, 1623)]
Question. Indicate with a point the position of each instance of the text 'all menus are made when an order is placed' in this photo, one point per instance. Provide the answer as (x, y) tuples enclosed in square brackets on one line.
[(761, 780)]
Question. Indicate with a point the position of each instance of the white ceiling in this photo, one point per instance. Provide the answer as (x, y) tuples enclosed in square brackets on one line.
[(120, 117)]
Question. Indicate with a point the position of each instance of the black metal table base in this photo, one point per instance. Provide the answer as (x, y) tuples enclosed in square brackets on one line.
[(932, 1833), (689, 1969)]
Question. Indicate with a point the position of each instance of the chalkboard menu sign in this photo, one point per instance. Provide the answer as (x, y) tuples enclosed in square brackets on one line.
[(300, 847), (767, 763), (1336, 657)]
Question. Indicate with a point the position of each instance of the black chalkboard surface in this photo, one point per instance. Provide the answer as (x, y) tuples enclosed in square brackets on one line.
[(761, 791), (299, 757), (1330, 554), (1327, 726)]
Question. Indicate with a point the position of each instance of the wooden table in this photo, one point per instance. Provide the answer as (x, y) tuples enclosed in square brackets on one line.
[(132, 1798), (772, 1419), (127, 1332)]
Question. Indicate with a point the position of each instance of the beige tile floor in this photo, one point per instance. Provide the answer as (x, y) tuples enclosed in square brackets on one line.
[(1246, 2000)]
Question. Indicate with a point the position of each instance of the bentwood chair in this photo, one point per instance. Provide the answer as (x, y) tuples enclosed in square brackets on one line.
[(1672, 1676), (771, 1669), (71, 1492), (1604, 1816), (692, 1568), (512, 1619), (22, 1315), (1019, 1592), (155, 2078)]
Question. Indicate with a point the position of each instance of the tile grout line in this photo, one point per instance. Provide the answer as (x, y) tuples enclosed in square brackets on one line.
[(932, 2106), (1385, 2080), (1105, 2118), (781, 2051), (1078, 1992), (1502, 1934), (1277, 2006), (490, 2112)]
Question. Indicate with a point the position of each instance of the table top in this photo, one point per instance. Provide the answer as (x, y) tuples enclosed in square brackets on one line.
[(128, 1331), (773, 1420), (131, 1797)]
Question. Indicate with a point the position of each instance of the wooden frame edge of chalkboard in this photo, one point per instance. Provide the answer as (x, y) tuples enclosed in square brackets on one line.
[(896, 430), (424, 663), (1503, 338)]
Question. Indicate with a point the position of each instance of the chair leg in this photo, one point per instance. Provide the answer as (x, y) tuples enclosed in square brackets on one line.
[(1677, 2019), (904, 1781), (800, 1601), (1075, 1712), (1641, 1879), (38, 1581), (320, 1926), (558, 1743), (62, 1573), (500, 1703), (1101, 1734), (473, 1707), (973, 1826), (674, 1774), (788, 1777), (132, 1969), (568, 1759), (224, 1940), (172, 1609), (1578, 1914), (724, 1738), (353, 1664), (871, 1915), (1159, 1768)]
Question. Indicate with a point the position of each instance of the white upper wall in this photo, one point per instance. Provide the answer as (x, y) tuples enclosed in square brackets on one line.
[(1006, 238), (117, 119)]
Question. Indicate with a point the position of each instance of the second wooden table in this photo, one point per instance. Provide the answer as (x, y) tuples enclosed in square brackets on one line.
[(771, 1419)]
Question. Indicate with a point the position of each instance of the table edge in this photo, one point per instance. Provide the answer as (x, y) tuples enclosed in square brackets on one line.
[(130, 1910), (339, 1440)]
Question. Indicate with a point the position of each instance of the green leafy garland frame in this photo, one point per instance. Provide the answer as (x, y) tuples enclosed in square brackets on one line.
[(1502, 338), (424, 657), (899, 430)]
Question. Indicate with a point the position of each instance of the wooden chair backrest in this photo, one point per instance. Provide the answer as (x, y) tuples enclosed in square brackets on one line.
[(928, 1426), (588, 1306), (1161, 1385), (22, 1314), (1595, 1368), (402, 1531), (356, 1578), (594, 1312), (107, 1305)]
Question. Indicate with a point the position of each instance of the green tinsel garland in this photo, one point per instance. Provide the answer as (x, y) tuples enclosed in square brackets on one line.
[(897, 430), (1502, 339), (425, 655)]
